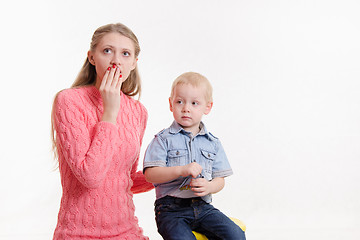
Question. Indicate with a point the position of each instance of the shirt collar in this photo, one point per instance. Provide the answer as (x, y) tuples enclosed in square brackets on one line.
[(176, 128)]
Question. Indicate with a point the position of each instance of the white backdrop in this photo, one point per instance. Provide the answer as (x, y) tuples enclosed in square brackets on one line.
[(286, 89)]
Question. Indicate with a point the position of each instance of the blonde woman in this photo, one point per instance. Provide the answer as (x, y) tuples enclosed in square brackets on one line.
[(97, 130)]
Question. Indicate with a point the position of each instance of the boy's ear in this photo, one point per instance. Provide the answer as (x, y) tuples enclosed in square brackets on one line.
[(208, 108), (170, 105)]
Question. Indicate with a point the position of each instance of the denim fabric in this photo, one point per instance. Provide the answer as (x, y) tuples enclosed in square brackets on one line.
[(176, 147), (176, 218)]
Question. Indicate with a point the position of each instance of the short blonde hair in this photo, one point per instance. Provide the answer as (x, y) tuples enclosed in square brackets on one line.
[(196, 80)]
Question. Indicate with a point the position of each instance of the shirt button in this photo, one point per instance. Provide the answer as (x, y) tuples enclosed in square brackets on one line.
[(177, 153), (208, 154)]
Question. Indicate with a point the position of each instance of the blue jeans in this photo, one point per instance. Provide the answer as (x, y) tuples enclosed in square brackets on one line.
[(176, 218)]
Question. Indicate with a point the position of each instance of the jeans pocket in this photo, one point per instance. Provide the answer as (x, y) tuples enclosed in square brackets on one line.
[(165, 207)]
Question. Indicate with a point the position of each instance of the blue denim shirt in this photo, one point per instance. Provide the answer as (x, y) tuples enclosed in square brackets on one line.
[(176, 147)]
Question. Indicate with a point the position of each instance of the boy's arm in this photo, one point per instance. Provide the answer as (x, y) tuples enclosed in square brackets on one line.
[(202, 187), (166, 174)]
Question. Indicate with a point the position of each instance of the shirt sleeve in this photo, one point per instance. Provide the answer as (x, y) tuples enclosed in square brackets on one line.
[(88, 156), (221, 165), (156, 153)]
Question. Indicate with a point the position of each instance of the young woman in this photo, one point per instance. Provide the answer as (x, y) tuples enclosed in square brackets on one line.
[(97, 130)]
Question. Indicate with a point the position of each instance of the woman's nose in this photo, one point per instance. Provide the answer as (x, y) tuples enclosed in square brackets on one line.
[(116, 60)]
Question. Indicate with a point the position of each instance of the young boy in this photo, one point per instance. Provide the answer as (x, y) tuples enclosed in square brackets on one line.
[(187, 164)]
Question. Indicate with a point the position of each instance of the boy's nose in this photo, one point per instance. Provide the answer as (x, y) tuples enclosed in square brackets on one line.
[(185, 108)]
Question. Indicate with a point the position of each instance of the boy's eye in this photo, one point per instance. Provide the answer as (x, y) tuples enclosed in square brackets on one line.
[(195, 103), (179, 101), (107, 50)]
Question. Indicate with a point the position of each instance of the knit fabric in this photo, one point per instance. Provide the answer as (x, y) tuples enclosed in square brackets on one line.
[(98, 166)]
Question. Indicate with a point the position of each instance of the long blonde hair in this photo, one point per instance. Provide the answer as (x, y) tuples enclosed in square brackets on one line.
[(87, 75)]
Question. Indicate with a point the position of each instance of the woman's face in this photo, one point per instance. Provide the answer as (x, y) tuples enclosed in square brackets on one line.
[(113, 49)]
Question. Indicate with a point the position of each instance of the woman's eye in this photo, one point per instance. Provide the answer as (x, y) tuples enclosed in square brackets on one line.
[(107, 50), (126, 54)]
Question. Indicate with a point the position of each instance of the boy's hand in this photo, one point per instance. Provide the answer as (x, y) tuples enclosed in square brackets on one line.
[(191, 169), (200, 186)]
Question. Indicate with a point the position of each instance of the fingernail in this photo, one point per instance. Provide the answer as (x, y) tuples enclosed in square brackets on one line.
[(114, 66), (109, 68), (120, 76)]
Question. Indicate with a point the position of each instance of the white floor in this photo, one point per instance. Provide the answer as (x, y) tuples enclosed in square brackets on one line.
[(251, 234), (301, 234)]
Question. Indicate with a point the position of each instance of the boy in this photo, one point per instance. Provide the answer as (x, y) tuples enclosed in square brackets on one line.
[(187, 164)]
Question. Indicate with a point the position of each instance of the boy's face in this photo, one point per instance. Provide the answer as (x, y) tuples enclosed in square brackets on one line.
[(188, 105)]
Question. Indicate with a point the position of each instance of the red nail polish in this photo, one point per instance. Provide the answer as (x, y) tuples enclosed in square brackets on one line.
[(120, 76), (114, 66), (109, 68)]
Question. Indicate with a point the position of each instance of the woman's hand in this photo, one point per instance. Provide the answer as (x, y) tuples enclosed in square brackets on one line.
[(110, 92)]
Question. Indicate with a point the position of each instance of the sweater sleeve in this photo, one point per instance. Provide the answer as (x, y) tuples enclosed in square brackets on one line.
[(139, 183), (88, 156)]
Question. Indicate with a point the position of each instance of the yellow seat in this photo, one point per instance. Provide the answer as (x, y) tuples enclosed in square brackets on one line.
[(200, 236)]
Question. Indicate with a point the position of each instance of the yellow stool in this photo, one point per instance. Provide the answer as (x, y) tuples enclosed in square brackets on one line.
[(200, 236)]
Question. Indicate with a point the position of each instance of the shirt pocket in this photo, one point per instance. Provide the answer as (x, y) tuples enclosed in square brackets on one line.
[(208, 158), (177, 157)]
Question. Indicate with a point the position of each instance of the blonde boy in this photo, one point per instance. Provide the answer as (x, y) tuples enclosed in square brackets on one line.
[(187, 164)]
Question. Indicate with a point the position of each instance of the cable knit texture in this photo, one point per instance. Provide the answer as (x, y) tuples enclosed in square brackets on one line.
[(98, 166)]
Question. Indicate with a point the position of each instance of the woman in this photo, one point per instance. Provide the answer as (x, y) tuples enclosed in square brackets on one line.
[(97, 132)]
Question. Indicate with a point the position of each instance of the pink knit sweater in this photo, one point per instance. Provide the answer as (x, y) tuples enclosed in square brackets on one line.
[(98, 166)]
